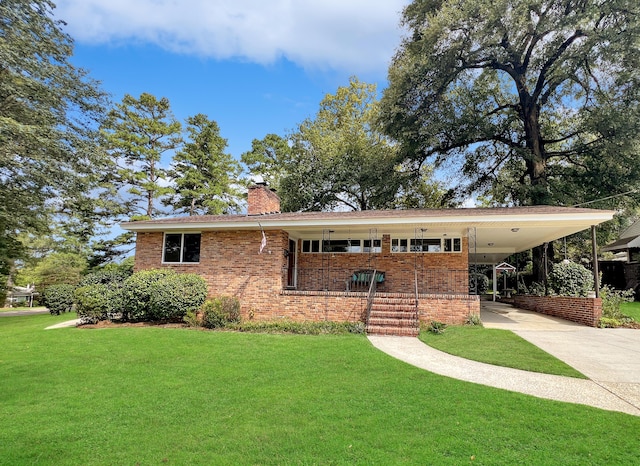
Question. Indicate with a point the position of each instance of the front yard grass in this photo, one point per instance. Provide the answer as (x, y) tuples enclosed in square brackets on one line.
[(631, 309), (498, 347), (143, 395)]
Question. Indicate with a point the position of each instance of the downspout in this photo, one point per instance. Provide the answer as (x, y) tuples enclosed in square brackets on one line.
[(594, 252)]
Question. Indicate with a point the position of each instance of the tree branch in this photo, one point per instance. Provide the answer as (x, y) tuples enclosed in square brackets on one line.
[(552, 60)]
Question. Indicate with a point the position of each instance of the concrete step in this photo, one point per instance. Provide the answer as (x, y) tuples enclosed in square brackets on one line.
[(392, 322), (396, 331)]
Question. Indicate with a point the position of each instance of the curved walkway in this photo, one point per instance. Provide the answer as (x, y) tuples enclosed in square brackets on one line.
[(606, 389), (552, 387)]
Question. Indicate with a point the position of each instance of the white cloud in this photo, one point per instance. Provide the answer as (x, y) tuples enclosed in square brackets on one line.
[(352, 35)]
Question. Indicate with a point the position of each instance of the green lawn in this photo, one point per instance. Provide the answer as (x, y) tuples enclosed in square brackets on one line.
[(632, 310), (499, 347), (173, 396)]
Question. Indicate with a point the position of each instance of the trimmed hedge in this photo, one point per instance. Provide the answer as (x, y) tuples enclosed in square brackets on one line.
[(149, 295), (136, 293), (174, 295), (58, 298)]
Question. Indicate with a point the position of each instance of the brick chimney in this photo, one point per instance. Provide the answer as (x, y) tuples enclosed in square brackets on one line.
[(262, 200)]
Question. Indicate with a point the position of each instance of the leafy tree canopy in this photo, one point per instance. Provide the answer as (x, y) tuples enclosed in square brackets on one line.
[(536, 101), (340, 159)]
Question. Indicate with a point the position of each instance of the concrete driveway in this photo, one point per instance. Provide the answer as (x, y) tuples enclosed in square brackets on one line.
[(609, 357)]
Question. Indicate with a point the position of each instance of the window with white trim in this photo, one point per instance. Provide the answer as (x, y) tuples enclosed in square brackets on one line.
[(181, 248), (354, 246), (426, 245)]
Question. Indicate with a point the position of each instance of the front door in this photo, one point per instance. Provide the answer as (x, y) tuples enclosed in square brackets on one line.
[(291, 265)]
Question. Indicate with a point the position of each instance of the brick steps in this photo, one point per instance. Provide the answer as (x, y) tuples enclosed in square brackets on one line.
[(393, 316)]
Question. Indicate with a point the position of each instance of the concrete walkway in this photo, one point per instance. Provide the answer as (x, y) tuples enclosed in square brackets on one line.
[(35, 310), (609, 357)]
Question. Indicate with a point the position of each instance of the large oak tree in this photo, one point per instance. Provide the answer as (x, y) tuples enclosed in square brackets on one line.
[(534, 101)]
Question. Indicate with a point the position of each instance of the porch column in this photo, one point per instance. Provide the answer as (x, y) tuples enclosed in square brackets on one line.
[(495, 283), (594, 252)]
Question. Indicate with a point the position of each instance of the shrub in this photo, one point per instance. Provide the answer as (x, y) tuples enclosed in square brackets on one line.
[(58, 298), (221, 311), (570, 279), (300, 328), (104, 276), (172, 296), (99, 296), (96, 302), (473, 320), (137, 291), (437, 327), (482, 282), (536, 289), (611, 301)]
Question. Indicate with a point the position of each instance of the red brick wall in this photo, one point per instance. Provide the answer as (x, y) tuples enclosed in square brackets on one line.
[(261, 200), (449, 309), (232, 266), (434, 269), (586, 311)]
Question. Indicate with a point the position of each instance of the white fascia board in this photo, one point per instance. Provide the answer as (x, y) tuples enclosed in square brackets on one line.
[(582, 218)]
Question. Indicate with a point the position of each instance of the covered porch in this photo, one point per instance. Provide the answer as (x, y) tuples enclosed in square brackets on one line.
[(423, 267)]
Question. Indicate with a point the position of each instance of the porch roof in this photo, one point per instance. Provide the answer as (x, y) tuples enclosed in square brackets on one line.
[(499, 231)]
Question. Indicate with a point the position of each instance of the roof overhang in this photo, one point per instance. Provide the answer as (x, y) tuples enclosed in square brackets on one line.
[(623, 244), (494, 233)]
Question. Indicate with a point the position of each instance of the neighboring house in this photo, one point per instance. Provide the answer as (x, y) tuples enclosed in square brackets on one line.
[(624, 272), (319, 265)]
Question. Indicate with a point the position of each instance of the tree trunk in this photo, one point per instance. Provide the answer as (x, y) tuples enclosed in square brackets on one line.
[(536, 164)]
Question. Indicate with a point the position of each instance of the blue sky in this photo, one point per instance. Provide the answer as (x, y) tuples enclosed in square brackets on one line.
[(255, 67)]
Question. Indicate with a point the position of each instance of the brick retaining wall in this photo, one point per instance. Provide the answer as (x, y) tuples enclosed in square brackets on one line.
[(585, 311)]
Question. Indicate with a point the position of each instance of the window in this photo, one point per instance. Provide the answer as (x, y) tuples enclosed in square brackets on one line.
[(399, 245), (372, 245), (309, 245), (181, 247), (341, 245), (452, 245), (354, 246), (426, 245)]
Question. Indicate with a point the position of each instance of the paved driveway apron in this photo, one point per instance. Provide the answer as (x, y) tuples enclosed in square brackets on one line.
[(609, 357)]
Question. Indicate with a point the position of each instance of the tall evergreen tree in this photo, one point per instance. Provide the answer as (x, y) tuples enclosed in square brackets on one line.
[(49, 159), (138, 132), (206, 179)]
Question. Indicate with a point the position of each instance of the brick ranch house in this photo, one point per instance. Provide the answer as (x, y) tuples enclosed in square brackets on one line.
[(390, 269)]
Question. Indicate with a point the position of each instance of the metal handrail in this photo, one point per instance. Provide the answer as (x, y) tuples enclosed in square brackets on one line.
[(370, 296)]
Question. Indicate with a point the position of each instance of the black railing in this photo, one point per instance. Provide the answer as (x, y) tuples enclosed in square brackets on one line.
[(371, 295), (411, 281)]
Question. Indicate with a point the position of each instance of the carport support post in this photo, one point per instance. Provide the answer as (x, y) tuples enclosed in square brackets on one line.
[(495, 283), (594, 252)]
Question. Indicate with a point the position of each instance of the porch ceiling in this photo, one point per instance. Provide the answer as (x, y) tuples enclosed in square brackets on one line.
[(495, 241)]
